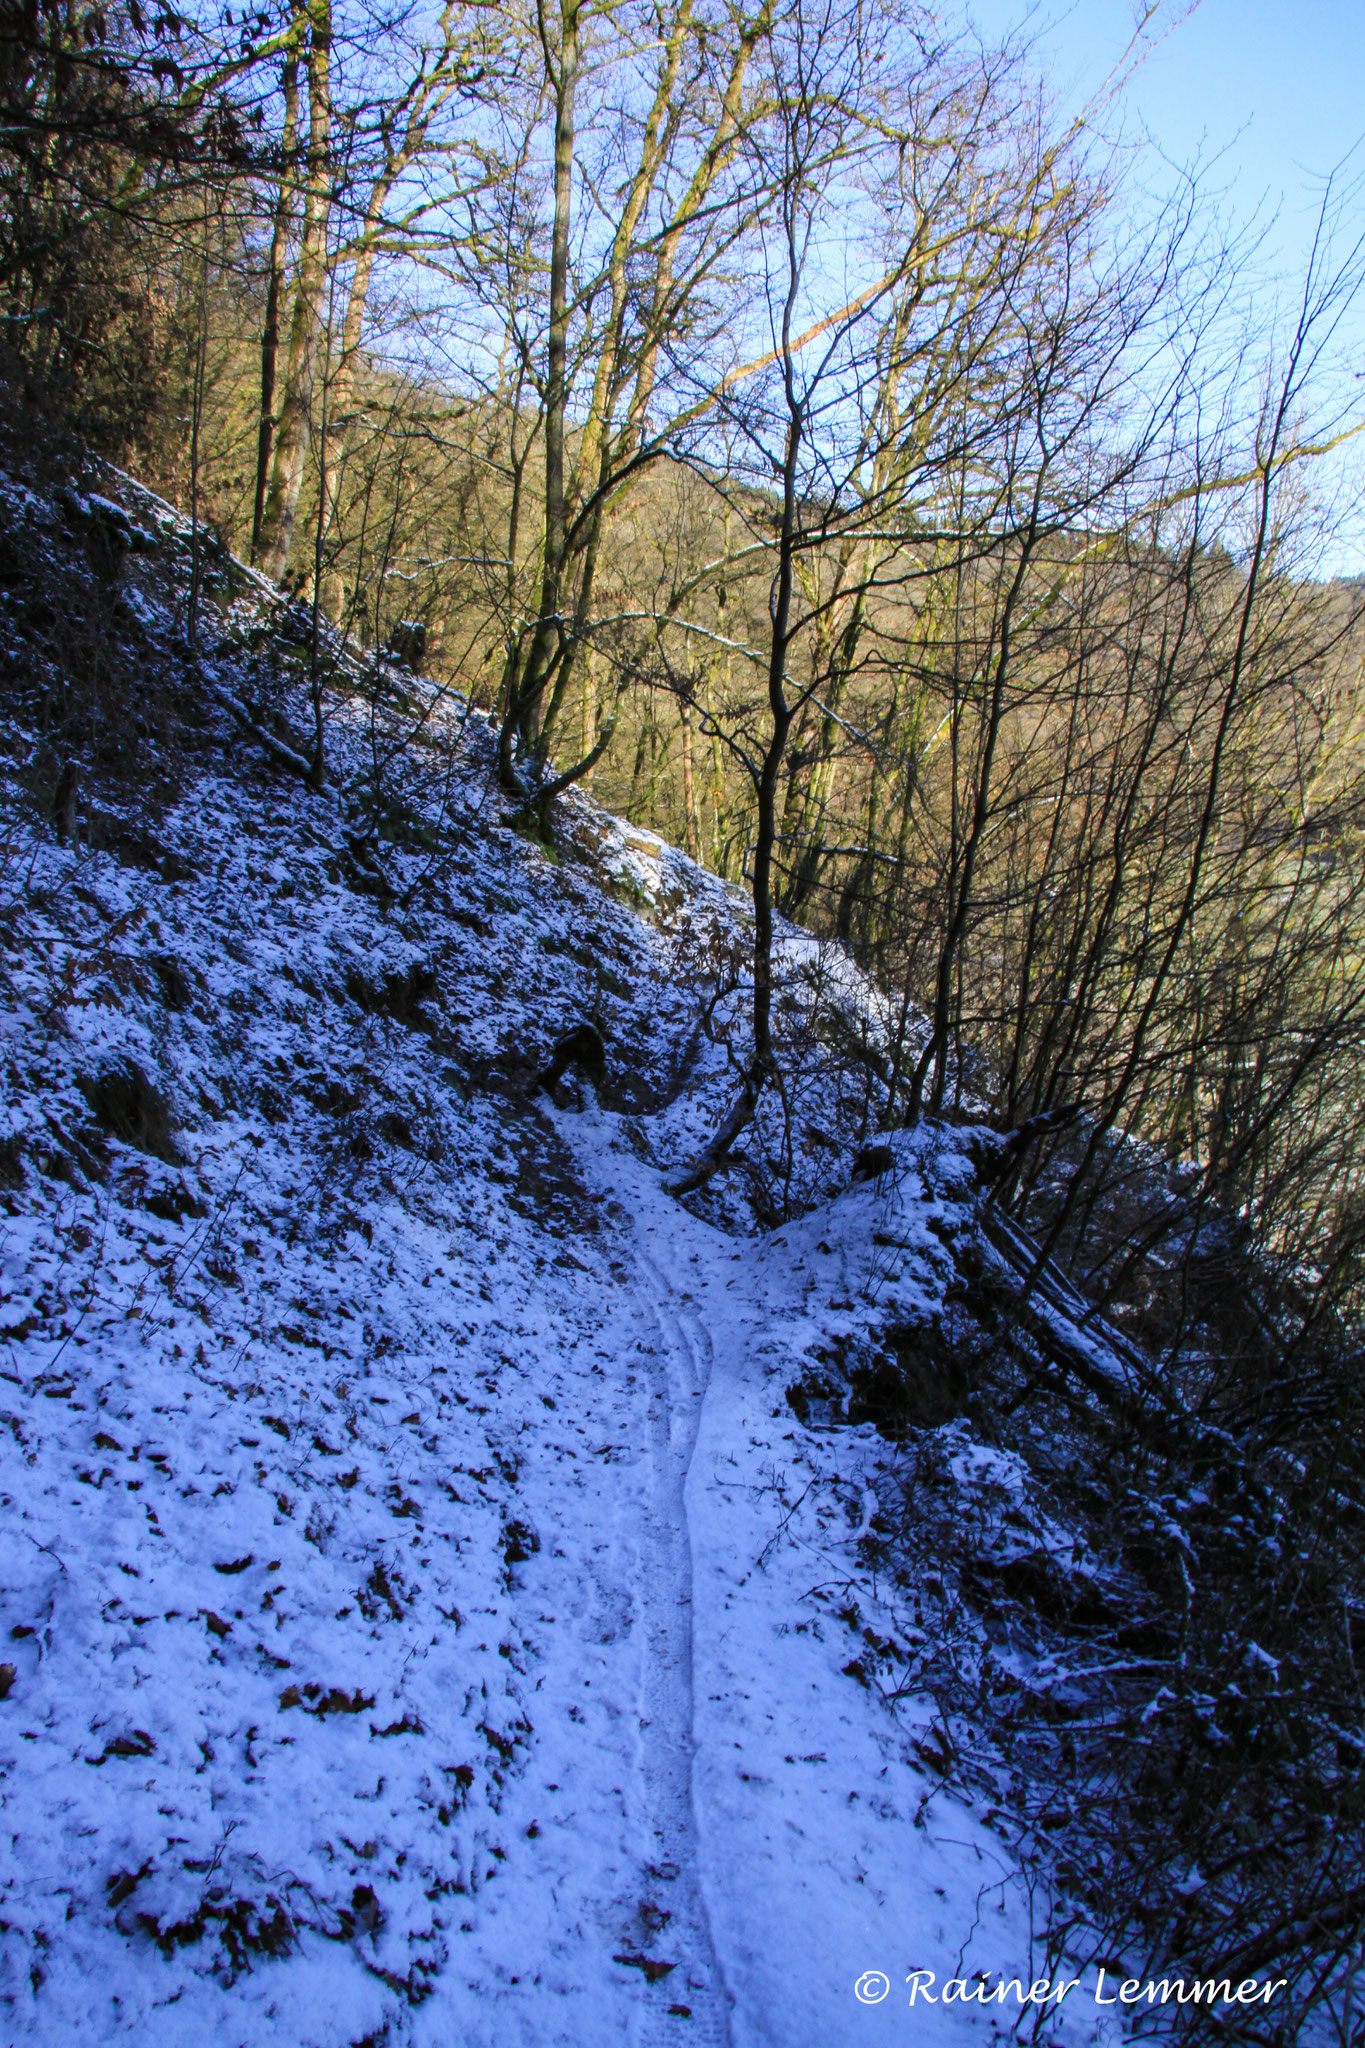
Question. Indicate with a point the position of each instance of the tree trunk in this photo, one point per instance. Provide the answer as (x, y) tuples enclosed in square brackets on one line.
[(344, 380), (270, 331), (522, 713), (691, 838), (590, 697), (762, 1063), (960, 898), (291, 441)]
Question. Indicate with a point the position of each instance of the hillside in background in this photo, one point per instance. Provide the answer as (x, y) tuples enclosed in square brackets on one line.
[(455, 1590)]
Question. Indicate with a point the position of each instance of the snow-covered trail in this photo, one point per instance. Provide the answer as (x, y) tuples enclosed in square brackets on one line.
[(797, 1842), (680, 1365), (528, 1631), (601, 1932), (425, 1619)]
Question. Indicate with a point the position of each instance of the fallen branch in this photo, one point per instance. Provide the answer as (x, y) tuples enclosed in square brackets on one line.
[(288, 756)]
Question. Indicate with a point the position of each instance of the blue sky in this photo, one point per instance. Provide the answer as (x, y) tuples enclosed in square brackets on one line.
[(1271, 94), (1276, 86)]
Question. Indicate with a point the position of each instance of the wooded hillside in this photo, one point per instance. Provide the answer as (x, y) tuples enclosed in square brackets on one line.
[(781, 424)]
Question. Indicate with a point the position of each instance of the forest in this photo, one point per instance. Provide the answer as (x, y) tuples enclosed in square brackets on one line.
[(793, 433), (784, 424)]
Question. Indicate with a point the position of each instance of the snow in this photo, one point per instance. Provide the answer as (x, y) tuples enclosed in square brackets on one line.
[(429, 1620)]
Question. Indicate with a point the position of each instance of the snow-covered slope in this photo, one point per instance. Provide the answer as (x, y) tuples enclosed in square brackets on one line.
[(427, 1616)]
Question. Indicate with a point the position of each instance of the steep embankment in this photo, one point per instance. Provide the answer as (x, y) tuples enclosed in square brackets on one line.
[(426, 1617)]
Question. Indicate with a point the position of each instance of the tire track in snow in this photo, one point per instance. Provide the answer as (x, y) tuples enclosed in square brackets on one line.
[(680, 1369), (674, 1356)]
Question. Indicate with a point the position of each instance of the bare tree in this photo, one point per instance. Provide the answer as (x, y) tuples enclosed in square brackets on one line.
[(894, 424), (280, 230), (306, 320), (623, 285)]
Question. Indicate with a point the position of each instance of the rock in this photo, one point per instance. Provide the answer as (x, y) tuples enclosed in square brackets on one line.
[(129, 1107), (873, 1161), (408, 643), (582, 1048)]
